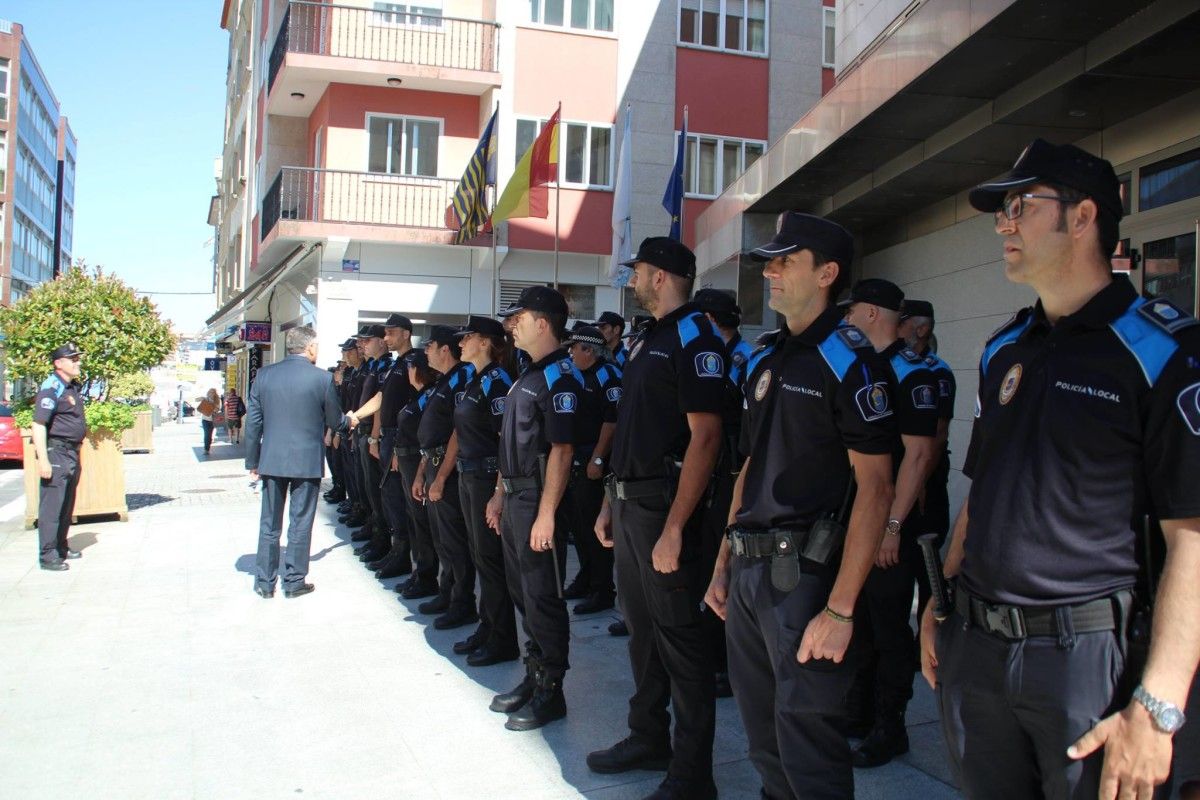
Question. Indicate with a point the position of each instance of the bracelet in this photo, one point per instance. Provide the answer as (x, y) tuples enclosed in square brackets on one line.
[(836, 616)]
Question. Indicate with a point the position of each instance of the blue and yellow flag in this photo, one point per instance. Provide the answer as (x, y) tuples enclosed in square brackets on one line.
[(470, 198), (673, 197)]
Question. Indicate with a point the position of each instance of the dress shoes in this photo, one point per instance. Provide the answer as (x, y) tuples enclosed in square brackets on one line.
[(373, 554), (470, 644), (887, 739), (299, 591), (547, 704), (57, 565), (71, 555), (576, 589), (344, 507), (618, 628), (418, 588), (438, 605), (595, 603), (673, 788), (455, 618), (628, 754), (264, 593), (509, 702), (363, 534), (394, 567), (485, 656)]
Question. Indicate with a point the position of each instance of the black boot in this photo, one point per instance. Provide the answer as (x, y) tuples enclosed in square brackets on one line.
[(510, 701), (397, 565), (887, 739), (546, 705)]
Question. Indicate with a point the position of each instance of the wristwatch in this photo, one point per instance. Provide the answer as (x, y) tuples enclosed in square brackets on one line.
[(598, 461), (1167, 717), (893, 527), (372, 440)]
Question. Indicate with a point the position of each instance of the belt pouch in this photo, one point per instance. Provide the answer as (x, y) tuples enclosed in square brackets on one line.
[(785, 563), (824, 540)]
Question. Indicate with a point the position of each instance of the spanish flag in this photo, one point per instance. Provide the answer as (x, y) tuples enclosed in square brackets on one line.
[(526, 194)]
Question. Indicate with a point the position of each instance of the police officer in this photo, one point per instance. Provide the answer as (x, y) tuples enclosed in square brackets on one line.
[(378, 366), (406, 460), (477, 426), (437, 482), (58, 431), (819, 419), (612, 327), (337, 492), (355, 515), (536, 446), (1087, 421), (666, 445), (597, 421), (874, 308)]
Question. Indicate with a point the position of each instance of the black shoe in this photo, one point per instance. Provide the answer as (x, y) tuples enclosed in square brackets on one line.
[(372, 554), (673, 788), (510, 701), (471, 643), (594, 603), (886, 740), (618, 628), (724, 687), (576, 589), (266, 594), (546, 705), (437, 605), (57, 565), (627, 754), (456, 618), (299, 591), (344, 508), (71, 555), (418, 588), (363, 534), (394, 568), (485, 656), (334, 496)]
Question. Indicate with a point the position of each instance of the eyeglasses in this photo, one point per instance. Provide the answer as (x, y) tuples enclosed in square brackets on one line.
[(1014, 205)]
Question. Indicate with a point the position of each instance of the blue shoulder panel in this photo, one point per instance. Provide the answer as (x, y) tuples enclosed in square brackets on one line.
[(688, 329), (756, 357), (495, 374), (55, 384), (607, 373), (837, 354), (1150, 345), (559, 368), (935, 363), (903, 367), (1008, 334), (422, 399)]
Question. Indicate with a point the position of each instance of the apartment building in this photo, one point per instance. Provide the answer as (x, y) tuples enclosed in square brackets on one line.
[(349, 125), (37, 171)]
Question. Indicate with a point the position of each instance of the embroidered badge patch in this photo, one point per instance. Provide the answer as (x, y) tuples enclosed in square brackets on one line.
[(764, 383), (498, 406), (1188, 403), (614, 394), (923, 397), (708, 365), (873, 402), (564, 402), (1008, 387), (47, 403)]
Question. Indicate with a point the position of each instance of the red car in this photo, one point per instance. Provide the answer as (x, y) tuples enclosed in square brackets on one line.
[(11, 447)]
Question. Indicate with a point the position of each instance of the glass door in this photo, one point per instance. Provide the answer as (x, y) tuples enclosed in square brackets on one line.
[(1170, 270)]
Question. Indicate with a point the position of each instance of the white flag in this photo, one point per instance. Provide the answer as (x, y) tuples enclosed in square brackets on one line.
[(622, 219)]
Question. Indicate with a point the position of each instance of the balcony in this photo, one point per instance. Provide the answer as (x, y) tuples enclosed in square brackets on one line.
[(319, 44)]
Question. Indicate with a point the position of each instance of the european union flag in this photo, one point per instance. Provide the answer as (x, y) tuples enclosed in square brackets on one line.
[(673, 197), (470, 198)]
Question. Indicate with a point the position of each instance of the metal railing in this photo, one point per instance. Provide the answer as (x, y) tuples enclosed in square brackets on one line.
[(380, 35), (363, 198)]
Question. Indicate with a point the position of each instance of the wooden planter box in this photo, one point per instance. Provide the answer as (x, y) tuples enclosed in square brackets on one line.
[(139, 438), (102, 483)]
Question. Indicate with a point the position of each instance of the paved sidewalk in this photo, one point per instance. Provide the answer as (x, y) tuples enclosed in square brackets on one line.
[(151, 670)]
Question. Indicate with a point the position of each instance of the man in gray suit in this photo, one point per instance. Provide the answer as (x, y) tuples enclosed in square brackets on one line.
[(291, 404)]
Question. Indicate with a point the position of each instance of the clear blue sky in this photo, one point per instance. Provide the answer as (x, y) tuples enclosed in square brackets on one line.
[(143, 85)]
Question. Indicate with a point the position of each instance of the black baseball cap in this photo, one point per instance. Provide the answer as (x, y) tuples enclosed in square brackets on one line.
[(586, 334), (639, 321), (797, 231), (1064, 164), (916, 308), (610, 318), (443, 334), (537, 298), (877, 292), (666, 254), (350, 344), (68, 350), (415, 358), (714, 301), (484, 325), (370, 332), (398, 321)]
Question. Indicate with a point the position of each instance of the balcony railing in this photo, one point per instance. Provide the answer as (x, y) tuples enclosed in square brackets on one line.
[(378, 35), (363, 198)]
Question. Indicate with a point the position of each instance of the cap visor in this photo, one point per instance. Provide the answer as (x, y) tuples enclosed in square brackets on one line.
[(772, 249), (630, 263), (989, 196), (509, 312)]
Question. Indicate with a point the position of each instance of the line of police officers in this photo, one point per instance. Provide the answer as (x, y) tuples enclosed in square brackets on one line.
[(787, 483)]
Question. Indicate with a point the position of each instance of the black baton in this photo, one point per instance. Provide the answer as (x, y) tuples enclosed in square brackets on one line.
[(933, 571)]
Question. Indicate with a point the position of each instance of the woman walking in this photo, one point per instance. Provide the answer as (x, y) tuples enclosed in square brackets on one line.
[(208, 407)]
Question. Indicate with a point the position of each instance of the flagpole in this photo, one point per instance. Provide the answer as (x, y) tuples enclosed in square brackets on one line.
[(495, 191), (683, 194), (557, 195)]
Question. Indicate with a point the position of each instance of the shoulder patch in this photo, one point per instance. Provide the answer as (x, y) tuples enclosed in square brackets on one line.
[(769, 337), (902, 366), (1188, 404), (853, 337), (1146, 338), (565, 402), (838, 354), (1006, 334), (1166, 315), (910, 355), (757, 356), (689, 329), (54, 384)]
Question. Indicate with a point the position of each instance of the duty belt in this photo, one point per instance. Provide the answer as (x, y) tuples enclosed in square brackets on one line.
[(407, 451), (434, 454), (514, 485), (363, 429), (58, 442), (490, 464), (1016, 622), (637, 489)]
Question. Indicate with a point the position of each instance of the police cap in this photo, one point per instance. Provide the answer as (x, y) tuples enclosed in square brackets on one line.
[(586, 334), (443, 334), (916, 308), (370, 332), (610, 318), (877, 292), (715, 301), (68, 350), (1063, 164), (799, 231), (415, 358), (350, 344), (666, 254), (542, 299), (483, 325), (398, 321)]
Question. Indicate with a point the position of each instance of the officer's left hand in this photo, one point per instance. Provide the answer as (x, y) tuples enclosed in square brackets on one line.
[(1137, 756), (666, 550), (825, 637), (395, 462), (889, 552), (594, 471), (541, 535), (374, 450), (436, 490), (493, 510)]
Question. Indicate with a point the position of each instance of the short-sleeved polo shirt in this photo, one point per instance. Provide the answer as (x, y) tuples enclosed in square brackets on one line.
[(540, 410), (477, 419), (59, 406), (599, 402), (437, 420)]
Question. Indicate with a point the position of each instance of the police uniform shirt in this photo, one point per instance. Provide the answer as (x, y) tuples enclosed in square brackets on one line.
[(477, 418), (947, 387), (739, 351), (397, 392), (409, 419), (59, 406), (811, 397), (620, 355), (916, 396), (676, 366), (541, 410), (353, 386), (437, 421), (1081, 428), (599, 401), (373, 378)]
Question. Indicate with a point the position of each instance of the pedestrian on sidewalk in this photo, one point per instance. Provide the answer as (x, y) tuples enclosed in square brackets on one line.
[(291, 404), (58, 430), (235, 409), (207, 407)]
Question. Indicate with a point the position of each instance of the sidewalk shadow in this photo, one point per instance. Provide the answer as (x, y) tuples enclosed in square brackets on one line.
[(83, 540), (144, 500), (246, 563), (219, 453)]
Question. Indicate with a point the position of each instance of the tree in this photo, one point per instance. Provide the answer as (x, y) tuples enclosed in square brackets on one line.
[(119, 332), (133, 386)]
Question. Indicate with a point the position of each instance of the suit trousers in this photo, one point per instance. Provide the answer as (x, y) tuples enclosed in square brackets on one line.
[(497, 617), (668, 648), (533, 581), (450, 534), (791, 711), (595, 560), (424, 554), (56, 503), (302, 507)]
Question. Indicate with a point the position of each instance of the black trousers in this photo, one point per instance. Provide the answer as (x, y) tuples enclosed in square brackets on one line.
[(395, 511), (790, 710), (668, 648), (716, 517), (453, 541), (1011, 709), (595, 560), (56, 503), (381, 536), (335, 468), (498, 622), (533, 583), (424, 554), (350, 469), (889, 649), (302, 508), (933, 516)]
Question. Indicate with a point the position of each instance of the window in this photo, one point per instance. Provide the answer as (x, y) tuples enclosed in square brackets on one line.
[(1126, 184), (585, 151), (583, 15), (1171, 270), (828, 39), (737, 25), (3, 162), (581, 300), (3, 88), (403, 145), (711, 163), (1169, 181), (427, 13)]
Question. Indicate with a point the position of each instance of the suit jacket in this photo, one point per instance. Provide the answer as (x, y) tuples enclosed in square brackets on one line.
[(291, 404)]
